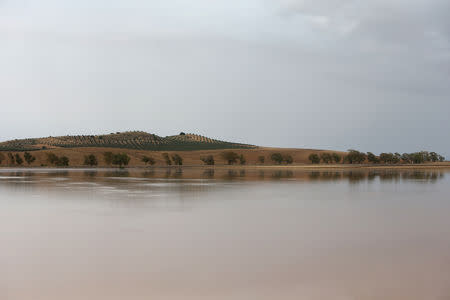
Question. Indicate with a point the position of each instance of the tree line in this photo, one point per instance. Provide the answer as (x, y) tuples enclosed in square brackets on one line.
[(357, 157)]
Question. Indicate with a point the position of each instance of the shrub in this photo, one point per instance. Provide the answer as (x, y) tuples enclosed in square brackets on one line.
[(167, 158), (29, 158), (277, 158), (242, 159), (19, 159), (208, 160), (2, 158), (336, 157), (326, 157), (148, 160), (230, 157), (120, 159), (261, 159), (90, 160), (108, 157), (177, 160), (314, 158)]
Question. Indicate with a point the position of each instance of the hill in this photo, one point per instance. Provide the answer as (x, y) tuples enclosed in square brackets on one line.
[(133, 140)]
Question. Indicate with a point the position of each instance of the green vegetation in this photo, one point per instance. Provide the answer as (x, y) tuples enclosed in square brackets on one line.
[(336, 157), (389, 158), (90, 160), (167, 159), (326, 158), (125, 140), (2, 158), (208, 160), (261, 159), (120, 159), (19, 159), (355, 157), (279, 158), (53, 159), (177, 160), (372, 158), (29, 158), (242, 160), (314, 158), (230, 157), (148, 160)]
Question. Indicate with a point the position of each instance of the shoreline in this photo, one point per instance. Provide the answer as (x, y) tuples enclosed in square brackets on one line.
[(255, 167)]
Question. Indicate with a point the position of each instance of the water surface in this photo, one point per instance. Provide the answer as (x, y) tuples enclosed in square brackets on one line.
[(224, 234)]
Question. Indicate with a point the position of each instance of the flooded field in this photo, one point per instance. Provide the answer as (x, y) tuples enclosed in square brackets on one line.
[(199, 233)]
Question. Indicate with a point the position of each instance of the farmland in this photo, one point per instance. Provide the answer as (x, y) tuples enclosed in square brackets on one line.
[(132, 140)]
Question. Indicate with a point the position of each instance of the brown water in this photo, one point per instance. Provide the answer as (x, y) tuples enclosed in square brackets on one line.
[(224, 234)]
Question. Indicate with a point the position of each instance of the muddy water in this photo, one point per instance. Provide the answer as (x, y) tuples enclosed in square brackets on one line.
[(224, 234)]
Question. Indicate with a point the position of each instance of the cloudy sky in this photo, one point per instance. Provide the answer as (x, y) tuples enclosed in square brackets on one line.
[(335, 74)]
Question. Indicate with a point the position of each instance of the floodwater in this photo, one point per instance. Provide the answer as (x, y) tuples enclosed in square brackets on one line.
[(224, 234)]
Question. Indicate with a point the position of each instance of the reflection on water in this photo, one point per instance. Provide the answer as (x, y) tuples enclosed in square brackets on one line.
[(224, 233), (352, 176)]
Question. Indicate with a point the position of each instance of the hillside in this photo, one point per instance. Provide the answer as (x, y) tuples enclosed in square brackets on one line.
[(135, 140)]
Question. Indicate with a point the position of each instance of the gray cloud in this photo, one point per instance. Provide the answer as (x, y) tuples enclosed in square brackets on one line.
[(328, 74)]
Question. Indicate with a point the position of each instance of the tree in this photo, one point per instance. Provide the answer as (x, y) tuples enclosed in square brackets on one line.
[(336, 157), (63, 161), (242, 159), (182, 133), (230, 157), (29, 158), (167, 158), (11, 159), (314, 158), (406, 157), (277, 158), (2, 158), (387, 158), (208, 160), (261, 159), (355, 157), (90, 160), (19, 159), (288, 159), (108, 158), (326, 157), (177, 160), (372, 158), (434, 157), (52, 158), (120, 159), (148, 160)]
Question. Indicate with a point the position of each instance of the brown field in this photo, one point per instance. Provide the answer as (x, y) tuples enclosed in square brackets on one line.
[(192, 158)]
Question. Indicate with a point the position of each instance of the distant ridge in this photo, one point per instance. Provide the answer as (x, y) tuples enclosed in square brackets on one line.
[(137, 140)]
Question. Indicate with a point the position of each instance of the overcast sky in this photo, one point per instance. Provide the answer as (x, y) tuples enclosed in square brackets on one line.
[(372, 75)]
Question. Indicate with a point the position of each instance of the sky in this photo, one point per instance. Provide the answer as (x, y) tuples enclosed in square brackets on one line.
[(370, 75)]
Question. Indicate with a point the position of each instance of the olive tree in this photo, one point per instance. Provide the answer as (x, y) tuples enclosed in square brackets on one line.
[(29, 158)]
